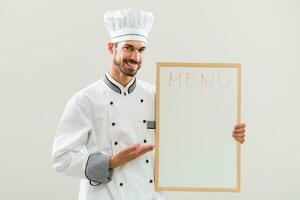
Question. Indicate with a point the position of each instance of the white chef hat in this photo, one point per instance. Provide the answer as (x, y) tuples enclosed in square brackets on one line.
[(128, 24)]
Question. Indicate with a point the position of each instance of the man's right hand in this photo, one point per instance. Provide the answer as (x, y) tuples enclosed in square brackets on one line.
[(128, 154)]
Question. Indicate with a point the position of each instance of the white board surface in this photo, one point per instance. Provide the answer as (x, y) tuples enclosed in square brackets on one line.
[(197, 108)]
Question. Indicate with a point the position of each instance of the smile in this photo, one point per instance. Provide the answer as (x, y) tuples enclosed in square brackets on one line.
[(131, 64)]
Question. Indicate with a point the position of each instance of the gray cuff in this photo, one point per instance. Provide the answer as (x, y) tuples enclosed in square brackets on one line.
[(97, 169)]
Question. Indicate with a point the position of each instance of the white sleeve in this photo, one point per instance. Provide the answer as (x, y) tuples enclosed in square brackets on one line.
[(70, 154)]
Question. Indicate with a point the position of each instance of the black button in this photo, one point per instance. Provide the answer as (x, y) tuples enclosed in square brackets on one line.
[(142, 100), (121, 184), (147, 161), (144, 121), (125, 93), (113, 123), (116, 143), (145, 141), (151, 181), (111, 103)]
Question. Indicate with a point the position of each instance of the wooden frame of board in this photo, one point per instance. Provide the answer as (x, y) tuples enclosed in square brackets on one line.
[(158, 186)]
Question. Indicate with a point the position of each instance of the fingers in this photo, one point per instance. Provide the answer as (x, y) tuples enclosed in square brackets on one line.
[(241, 125), (239, 130), (142, 150), (128, 154), (145, 148), (135, 151), (241, 140), (241, 135), (131, 149)]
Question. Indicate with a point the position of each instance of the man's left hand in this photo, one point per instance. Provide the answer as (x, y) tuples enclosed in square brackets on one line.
[(239, 132)]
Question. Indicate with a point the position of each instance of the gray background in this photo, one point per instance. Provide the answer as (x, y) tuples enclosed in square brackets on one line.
[(51, 49)]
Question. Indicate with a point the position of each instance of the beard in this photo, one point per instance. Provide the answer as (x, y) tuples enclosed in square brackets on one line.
[(126, 70)]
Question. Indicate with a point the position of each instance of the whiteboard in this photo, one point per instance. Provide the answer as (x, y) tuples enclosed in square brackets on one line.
[(197, 106)]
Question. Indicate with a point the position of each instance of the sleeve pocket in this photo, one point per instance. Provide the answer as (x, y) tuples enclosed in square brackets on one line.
[(151, 124)]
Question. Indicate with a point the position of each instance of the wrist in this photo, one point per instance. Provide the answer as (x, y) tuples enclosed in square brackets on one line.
[(112, 163)]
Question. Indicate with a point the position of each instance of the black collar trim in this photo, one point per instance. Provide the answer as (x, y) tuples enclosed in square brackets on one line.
[(132, 87), (111, 85), (117, 88)]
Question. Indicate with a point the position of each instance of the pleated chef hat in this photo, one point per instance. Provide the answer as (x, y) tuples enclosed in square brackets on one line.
[(128, 24)]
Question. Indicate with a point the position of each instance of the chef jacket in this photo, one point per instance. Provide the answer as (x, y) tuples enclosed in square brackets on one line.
[(98, 122)]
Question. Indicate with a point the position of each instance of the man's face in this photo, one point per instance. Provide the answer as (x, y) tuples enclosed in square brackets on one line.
[(128, 56)]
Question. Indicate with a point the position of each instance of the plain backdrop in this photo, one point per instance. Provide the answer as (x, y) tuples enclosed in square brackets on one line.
[(50, 49)]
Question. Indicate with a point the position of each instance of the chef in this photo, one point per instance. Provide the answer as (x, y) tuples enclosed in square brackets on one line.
[(106, 133)]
